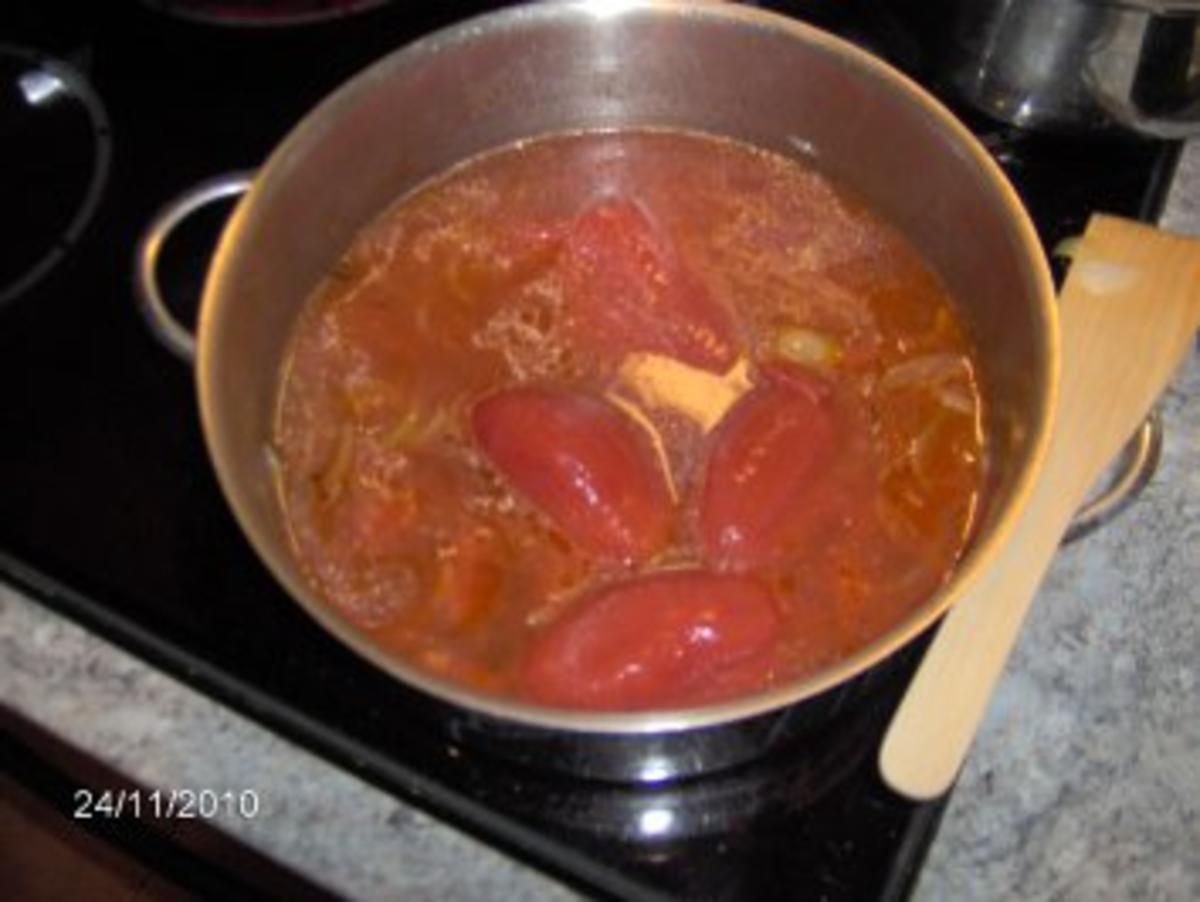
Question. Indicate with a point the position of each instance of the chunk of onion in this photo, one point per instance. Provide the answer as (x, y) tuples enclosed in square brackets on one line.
[(956, 399), (332, 480), (931, 370), (808, 347)]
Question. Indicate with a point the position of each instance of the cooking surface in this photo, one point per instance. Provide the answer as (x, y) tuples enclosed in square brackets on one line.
[(109, 509)]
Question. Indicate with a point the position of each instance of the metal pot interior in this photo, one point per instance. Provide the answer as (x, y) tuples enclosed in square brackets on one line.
[(543, 68)]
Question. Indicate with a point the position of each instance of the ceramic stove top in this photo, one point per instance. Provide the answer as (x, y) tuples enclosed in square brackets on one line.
[(110, 513)]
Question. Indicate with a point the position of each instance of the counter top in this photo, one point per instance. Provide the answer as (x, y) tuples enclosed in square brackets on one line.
[(1084, 781)]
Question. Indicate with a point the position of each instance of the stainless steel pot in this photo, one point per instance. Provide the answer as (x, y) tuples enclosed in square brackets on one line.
[(551, 67), (1077, 65)]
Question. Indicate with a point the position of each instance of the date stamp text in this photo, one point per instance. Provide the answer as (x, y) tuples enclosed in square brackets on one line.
[(165, 804)]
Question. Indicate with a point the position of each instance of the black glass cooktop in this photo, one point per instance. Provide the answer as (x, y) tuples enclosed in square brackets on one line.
[(109, 511)]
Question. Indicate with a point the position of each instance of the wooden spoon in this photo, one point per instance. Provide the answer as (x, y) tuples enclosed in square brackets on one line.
[(1128, 312)]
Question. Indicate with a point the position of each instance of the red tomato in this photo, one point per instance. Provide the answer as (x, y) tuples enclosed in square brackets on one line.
[(671, 639), (768, 453), (628, 291), (584, 463)]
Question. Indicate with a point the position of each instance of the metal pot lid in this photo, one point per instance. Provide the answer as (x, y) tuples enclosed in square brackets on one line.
[(262, 13)]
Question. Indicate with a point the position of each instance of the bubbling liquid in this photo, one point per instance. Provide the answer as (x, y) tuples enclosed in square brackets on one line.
[(660, 290)]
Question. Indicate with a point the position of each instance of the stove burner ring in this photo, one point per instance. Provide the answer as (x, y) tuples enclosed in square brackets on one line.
[(49, 114), (262, 13)]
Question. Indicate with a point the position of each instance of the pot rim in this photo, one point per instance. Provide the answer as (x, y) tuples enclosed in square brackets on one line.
[(980, 553)]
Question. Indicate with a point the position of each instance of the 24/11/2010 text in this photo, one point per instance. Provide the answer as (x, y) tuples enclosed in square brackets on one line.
[(165, 804)]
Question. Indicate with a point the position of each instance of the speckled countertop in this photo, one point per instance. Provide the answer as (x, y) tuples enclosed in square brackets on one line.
[(1084, 782)]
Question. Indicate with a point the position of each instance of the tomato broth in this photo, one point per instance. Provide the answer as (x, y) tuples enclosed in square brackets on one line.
[(629, 420)]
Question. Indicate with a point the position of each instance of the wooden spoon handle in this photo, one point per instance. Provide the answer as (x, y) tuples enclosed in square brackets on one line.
[(1128, 313)]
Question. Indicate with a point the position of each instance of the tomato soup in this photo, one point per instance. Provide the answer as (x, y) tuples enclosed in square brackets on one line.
[(626, 421)]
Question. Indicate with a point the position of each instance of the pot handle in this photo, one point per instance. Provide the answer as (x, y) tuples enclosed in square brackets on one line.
[(1155, 93), (1131, 473), (176, 337)]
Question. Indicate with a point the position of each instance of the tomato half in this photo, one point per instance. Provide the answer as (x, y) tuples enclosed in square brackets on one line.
[(671, 639), (627, 290), (767, 455), (584, 463)]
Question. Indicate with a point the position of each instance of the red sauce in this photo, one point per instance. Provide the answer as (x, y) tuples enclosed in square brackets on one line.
[(629, 420)]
